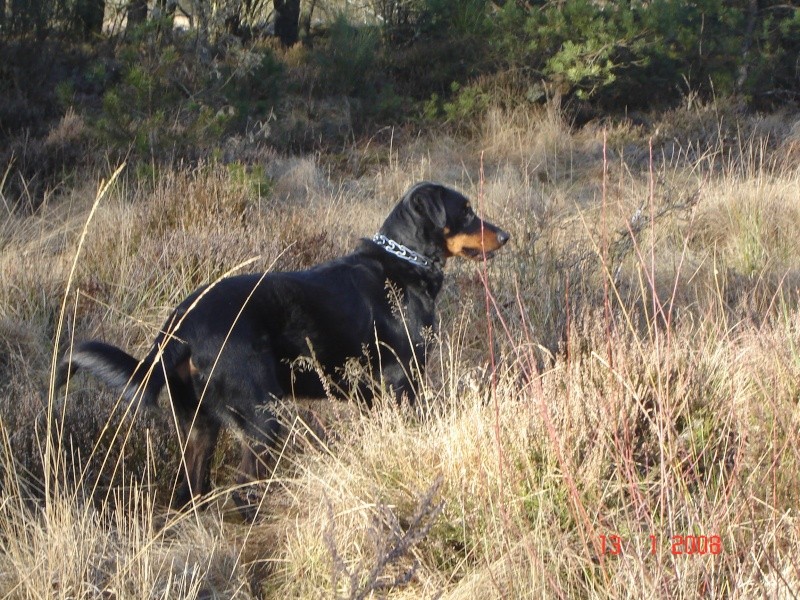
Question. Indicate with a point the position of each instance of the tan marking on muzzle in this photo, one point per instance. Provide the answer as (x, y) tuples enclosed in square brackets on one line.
[(480, 241)]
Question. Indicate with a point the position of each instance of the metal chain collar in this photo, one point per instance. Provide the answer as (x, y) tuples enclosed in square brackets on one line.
[(401, 251)]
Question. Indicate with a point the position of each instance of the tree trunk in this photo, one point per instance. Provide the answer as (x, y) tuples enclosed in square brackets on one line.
[(89, 15), (747, 44), (287, 21), (167, 7), (307, 21), (137, 12), (164, 13)]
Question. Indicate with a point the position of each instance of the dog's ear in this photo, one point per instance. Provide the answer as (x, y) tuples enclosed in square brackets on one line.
[(427, 199)]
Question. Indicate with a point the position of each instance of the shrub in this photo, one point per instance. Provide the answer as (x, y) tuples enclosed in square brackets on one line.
[(639, 53), (438, 43), (773, 76), (176, 98), (347, 59)]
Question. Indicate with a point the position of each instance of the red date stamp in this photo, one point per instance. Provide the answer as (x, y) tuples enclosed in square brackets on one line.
[(679, 545)]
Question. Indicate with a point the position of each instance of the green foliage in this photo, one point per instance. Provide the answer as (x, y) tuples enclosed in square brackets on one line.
[(455, 17), (389, 105), (579, 46), (593, 42), (347, 59), (701, 41), (442, 41), (404, 20), (465, 105), (161, 95), (640, 53), (65, 93), (34, 17), (773, 75), (254, 178), (173, 99)]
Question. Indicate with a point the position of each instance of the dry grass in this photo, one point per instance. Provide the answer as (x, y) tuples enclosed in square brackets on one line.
[(628, 367)]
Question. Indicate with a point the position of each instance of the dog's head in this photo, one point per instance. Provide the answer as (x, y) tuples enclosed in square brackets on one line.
[(439, 222)]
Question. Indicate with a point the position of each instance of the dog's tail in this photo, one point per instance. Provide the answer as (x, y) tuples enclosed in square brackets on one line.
[(139, 382)]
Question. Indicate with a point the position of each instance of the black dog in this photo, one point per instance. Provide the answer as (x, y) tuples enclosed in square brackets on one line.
[(232, 349)]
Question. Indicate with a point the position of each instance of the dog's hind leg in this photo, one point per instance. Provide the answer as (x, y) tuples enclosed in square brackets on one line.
[(198, 442), (254, 413), (238, 388), (199, 431), (262, 432)]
